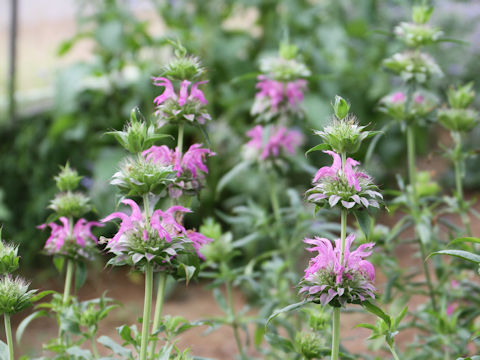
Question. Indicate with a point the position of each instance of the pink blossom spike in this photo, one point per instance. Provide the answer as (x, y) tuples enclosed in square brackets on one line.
[(168, 93), (398, 97), (351, 175), (329, 171)]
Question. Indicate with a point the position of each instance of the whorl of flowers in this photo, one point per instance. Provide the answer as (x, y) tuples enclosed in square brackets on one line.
[(273, 142), (415, 35), (14, 295), (189, 167), (71, 240), (346, 187), (8, 257), (458, 117), (395, 105), (329, 280), (413, 66), (70, 204), (158, 239), (186, 104)]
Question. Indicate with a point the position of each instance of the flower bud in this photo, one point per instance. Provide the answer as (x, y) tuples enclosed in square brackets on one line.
[(14, 295), (341, 107), (416, 35), (462, 97), (139, 176), (70, 204), (310, 345), (137, 134), (344, 136), (461, 120), (421, 13), (425, 186), (183, 66), (8, 257), (395, 106), (288, 51), (413, 66), (68, 178)]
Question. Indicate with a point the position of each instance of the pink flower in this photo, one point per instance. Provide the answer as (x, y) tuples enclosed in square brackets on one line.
[(335, 170), (193, 160), (398, 97), (280, 139), (198, 240), (419, 99), (80, 232), (162, 221), (183, 96), (451, 309), (278, 91)]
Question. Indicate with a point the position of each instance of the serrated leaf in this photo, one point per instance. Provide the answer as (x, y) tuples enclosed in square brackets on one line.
[(288, 308), (465, 240), (365, 221), (375, 310), (112, 345), (59, 262), (80, 274), (25, 322)]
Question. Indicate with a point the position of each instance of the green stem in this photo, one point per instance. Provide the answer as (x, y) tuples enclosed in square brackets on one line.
[(343, 234), (274, 199), (147, 307), (68, 281), (412, 171), (162, 281), (394, 353), (231, 306), (336, 334), (146, 209), (180, 137), (458, 165), (94, 348), (8, 332)]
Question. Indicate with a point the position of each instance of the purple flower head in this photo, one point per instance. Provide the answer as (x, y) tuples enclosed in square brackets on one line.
[(280, 139), (328, 277), (192, 161), (398, 97), (65, 235), (198, 240), (278, 97), (183, 96)]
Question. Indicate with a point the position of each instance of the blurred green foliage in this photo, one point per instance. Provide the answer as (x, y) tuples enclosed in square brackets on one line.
[(340, 41)]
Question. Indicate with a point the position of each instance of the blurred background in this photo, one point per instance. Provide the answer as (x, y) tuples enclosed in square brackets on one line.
[(76, 68)]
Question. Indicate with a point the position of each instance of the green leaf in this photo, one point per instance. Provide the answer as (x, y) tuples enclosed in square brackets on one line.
[(42, 294), (319, 147), (231, 174), (258, 335), (80, 275), (165, 353), (288, 308), (217, 294), (112, 345), (400, 316), (465, 240), (25, 322), (375, 310), (367, 326), (280, 342), (59, 261), (365, 221), (340, 107), (458, 253), (79, 353)]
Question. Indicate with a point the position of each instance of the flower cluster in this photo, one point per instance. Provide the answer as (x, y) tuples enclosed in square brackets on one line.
[(415, 35), (71, 240), (14, 295), (336, 280), (347, 186), (188, 104), (395, 105), (272, 142), (413, 66), (458, 117), (158, 239), (189, 167)]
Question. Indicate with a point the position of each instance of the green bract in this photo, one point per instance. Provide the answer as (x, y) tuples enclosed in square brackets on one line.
[(416, 35), (14, 295), (425, 186), (281, 69), (421, 13), (461, 97), (413, 66), (183, 67), (70, 204), (344, 136), (67, 179), (137, 135), (8, 257), (138, 176), (461, 120), (310, 345)]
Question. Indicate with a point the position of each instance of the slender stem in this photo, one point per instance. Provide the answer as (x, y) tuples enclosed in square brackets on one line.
[(343, 235), (8, 332), (231, 306), (180, 137), (147, 307), (274, 199), (412, 171), (459, 164), (94, 348), (413, 185), (68, 281), (146, 208), (394, 353), (336, 334), (162, 281)]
